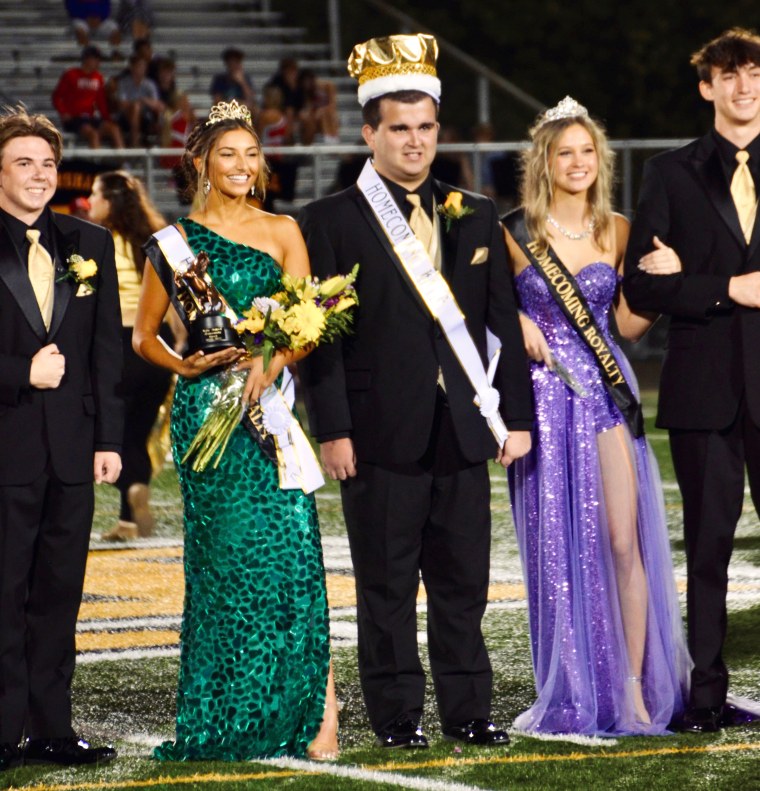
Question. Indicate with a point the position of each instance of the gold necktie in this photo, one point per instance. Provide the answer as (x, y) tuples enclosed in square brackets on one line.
[(743, 193), (41, 275), (419, 221)]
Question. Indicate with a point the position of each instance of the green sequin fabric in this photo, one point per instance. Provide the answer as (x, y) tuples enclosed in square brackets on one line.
[(255, 632)]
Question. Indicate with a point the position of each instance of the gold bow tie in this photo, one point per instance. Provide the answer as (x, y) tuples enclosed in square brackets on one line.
[(41, 274), (743, 193)]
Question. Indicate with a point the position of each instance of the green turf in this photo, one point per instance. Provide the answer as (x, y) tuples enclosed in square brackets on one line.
[(132, 702)]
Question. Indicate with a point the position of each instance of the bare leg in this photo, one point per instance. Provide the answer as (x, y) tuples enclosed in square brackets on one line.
[(325, 745), (620, 491)]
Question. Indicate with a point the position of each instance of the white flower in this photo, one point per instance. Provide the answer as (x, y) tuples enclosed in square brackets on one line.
[(265, 304)]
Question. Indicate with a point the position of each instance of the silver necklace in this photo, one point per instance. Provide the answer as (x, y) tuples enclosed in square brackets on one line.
[(576, 237)]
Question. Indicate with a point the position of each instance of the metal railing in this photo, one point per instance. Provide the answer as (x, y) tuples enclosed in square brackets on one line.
[(323, 161)]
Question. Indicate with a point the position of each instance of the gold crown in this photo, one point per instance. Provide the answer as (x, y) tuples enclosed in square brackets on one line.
[(223, 111), (394, 63)]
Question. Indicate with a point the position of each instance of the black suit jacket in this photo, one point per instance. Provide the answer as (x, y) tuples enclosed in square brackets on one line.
[(83, 414), (379, 385), (711, 355)]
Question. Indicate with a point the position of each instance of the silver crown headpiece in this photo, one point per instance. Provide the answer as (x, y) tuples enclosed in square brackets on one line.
[(567, 108), (223, 111)]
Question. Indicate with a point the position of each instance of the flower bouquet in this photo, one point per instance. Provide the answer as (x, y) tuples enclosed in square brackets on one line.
[(305, 312)]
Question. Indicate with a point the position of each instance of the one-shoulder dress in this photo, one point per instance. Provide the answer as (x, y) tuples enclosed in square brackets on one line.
[(578, 645), (255, 634)]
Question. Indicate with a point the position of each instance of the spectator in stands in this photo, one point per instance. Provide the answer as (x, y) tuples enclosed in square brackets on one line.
[(135, 18), (178, 116), (80, 99), (92, 17), (140, 108), (275, 130), (143, 48), (317, 109), (233, 82), (286, 79)]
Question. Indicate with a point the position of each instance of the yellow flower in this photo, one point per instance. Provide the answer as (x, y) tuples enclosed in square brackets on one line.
[(84, 269), (303, 323), (453, 202), (300, 286), (252, 324), (332, 286), (343, 304)]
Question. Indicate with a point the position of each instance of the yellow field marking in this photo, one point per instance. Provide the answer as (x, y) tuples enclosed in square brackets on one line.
[(525, 759), (395, 767), (149, 583), (341, 591), (158, 781), (133, 584), (113, 641)]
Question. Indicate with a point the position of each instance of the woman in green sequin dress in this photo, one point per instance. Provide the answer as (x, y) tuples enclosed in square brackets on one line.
[(255, 635)]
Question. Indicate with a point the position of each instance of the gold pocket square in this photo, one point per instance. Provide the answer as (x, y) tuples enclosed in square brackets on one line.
[(84, 290), (480, 256)]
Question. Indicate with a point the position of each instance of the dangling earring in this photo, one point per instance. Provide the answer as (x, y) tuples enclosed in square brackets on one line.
[(253, 191), (207, 186)]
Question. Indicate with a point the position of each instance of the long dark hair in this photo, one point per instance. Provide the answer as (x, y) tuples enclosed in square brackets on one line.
[(131, 212)]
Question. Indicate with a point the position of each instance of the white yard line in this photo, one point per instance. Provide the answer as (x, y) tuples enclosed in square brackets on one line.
[(370, 775)]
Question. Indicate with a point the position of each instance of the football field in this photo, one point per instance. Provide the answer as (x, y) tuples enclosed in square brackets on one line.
[(128, 640)]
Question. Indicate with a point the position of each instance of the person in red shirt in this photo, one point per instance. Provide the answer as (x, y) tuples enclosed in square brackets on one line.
[(80, 99)]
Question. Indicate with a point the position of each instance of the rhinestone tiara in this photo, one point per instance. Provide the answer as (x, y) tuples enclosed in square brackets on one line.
[(224, 111), (567, 108)]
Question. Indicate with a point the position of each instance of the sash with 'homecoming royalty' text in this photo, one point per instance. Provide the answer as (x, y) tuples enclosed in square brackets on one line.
[(568, 295)]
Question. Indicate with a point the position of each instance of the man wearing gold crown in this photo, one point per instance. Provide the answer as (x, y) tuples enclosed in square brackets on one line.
[(410, 408)]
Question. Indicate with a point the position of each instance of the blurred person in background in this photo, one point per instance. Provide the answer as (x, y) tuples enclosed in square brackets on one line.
[(119, 202)]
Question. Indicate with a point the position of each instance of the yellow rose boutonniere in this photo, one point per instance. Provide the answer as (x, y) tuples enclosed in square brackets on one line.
[(452, 209), (81, 271)]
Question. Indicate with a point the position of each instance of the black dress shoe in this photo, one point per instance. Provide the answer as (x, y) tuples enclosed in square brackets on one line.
[(403, 733), (706, 720), (481, 732), (67, 752), (9, 755)]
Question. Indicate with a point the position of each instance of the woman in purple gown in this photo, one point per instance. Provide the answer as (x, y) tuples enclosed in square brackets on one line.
[(608, 648)]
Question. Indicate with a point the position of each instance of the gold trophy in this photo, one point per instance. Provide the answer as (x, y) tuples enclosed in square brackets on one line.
[(209, 315)]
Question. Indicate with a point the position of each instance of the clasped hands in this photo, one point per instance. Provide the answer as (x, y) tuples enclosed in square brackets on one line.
[(258, 379)]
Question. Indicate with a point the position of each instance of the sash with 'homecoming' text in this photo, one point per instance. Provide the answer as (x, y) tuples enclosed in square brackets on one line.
[(568, 295)]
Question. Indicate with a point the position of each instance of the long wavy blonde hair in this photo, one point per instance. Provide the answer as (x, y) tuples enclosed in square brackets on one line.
[(537, 183)]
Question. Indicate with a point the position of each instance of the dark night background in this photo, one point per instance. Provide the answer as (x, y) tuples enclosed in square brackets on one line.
[(627, 62)]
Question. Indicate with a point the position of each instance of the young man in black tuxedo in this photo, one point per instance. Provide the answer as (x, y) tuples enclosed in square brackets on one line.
[(699, 204), (394, 411), (60, 428)]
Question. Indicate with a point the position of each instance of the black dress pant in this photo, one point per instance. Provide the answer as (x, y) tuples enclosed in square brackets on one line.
[(430, 518), (143, 388), (44, 537), (710, 467)]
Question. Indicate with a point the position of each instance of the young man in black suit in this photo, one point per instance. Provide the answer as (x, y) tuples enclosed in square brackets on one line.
[(394, 411), (60, 427), (699, 204)]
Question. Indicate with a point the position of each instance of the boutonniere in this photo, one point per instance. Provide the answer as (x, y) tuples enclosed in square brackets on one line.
[(452, 209), (81, 271)]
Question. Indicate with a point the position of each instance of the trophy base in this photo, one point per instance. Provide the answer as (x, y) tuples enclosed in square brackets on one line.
[(212, 332)]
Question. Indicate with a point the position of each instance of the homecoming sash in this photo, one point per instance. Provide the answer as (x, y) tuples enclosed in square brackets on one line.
[(417, 267), (568, 295), (270, 420)]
